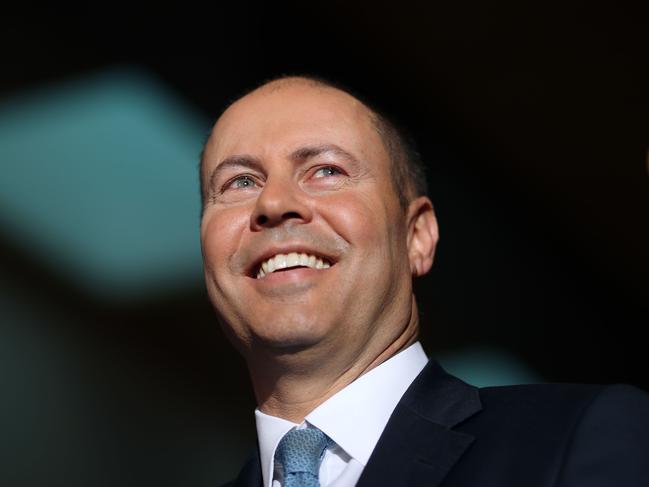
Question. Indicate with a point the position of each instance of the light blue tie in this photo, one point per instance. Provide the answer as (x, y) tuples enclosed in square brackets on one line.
[(300, 453)]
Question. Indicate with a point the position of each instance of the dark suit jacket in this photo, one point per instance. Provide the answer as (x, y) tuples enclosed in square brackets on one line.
[(447, 433)]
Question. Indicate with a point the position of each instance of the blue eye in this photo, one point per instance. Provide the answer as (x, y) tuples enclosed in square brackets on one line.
[(241, 182), (327, 171)]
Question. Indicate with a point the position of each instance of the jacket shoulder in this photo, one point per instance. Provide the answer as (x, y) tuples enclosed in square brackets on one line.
[(556, 402), (560, 435), (610, 443)]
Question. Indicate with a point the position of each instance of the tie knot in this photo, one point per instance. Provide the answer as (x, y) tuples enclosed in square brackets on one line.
[(301, 451)]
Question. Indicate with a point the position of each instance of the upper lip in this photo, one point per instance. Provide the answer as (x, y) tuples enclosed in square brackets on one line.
[(297, 248)]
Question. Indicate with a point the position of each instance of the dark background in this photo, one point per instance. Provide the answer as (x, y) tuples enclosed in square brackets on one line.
[(533, 120)]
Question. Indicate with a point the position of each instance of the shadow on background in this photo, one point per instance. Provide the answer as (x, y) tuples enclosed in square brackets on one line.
[(112, 366)]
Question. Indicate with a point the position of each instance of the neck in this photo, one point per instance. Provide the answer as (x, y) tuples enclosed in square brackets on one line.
[(290, 388)]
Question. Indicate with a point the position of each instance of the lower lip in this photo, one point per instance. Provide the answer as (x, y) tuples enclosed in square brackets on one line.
[(290, 276)]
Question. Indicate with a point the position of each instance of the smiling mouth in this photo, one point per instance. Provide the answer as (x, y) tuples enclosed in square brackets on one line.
[(294, 260)]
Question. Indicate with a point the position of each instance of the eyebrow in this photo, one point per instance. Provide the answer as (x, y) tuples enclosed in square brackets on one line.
[(310, 151), (234, 161), (301, 154)]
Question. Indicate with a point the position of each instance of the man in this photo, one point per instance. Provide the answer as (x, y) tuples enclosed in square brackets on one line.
[(315, 221)]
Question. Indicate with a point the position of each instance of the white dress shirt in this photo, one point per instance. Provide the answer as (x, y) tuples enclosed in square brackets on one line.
[(353, 418)]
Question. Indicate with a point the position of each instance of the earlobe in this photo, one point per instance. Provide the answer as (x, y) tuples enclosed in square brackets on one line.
[(422, 235)]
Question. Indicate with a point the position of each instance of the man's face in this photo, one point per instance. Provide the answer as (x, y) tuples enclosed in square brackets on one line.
[(298, 180)]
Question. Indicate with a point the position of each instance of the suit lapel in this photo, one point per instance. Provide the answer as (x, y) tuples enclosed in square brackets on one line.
[(418, 445)]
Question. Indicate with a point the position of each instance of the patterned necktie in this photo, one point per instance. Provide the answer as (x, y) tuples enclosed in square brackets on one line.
[(300, 453)]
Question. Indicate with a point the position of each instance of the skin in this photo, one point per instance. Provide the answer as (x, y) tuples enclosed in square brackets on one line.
[(298, 166)]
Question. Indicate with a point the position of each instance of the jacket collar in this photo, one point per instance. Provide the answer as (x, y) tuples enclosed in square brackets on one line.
[(419, 445)]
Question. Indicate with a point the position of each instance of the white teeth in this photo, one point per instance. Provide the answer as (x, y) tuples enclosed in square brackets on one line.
[(292, 260), (280, 261), (283, 261)]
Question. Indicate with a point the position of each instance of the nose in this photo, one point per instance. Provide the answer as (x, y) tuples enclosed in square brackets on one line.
[(280, 201)]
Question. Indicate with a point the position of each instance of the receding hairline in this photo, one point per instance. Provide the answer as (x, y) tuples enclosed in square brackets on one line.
[(278, 84)]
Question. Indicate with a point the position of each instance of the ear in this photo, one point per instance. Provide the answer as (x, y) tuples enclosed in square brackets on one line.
[(422, 235)]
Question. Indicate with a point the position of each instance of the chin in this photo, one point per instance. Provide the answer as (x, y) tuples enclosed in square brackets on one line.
[(289, 336)]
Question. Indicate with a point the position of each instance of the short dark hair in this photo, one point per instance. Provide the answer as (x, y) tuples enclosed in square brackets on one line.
[(407, 167)]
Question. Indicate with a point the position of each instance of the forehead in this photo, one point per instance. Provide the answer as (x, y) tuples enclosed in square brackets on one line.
[(280, 118)]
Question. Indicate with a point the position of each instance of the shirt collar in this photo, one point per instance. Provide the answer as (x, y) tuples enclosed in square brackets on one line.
[(270, 429), (353, 417)]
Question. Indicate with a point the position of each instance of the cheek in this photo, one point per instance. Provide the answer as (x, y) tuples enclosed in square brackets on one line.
[(360, 219), (375, 228), (221, 233)]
